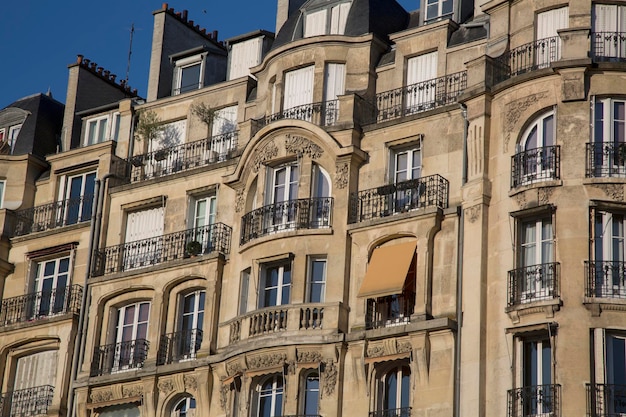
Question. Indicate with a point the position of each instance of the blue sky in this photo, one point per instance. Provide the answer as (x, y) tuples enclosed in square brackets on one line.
[(40, 38)]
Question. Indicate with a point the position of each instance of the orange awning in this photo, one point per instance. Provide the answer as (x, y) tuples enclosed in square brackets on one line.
[(387, 270)]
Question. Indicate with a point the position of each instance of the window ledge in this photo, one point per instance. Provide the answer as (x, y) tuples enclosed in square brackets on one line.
[(605, 180), (285, 234), (534, 185), (597, 305), (547, 307)]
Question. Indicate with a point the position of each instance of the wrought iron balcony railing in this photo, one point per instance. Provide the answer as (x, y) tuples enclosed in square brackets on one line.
[(526, 58), (41, 305), (386, 200), (179, 346), (608, 46), (304, 213), (325, 113), (53, 215), (27, 402), (536, 165), (606, 159), (606, 400), (606, 279), (535, 400), (389, 311), (393, 412), (142, 253), (533, 283), (419, 97), (118, 357), (183, 157)]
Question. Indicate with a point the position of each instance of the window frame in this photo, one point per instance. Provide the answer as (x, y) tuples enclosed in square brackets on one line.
[(383, 373), (3, 188), (13, 133), (306, 389), (40, 276), (282, 287), (334, 22), (311, 260), (439, 15), (276, 395), (126, 358), (109, 133), (188, 402), (185, 63)]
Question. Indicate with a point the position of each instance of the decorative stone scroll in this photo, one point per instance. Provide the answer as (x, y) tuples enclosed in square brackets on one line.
[(191, 383), (388, 347), (101, 396), (300, 146), (309, 356), (165, 386), (514, 110), (132, 391), (224, 391), (473, 213), (544, 194), (269, 151), (329, 377), (615, 191), (240, 200), (341, 175), (266, 361)]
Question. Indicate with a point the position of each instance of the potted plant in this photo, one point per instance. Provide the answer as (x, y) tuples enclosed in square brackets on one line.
[(206, 115), (194, 248), (149, 126)]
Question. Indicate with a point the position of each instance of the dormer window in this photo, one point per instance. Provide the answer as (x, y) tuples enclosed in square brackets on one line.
[(330, 20), (189, 74), (102, 128), (438, 10)]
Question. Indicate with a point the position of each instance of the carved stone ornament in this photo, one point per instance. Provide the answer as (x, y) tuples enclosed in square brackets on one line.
[(234, 368), (473, 213), (341, 175), (269, 151), (614, 191), (329, 377), (132, 391), (374, 351), (302, 146), (166, 386), (224, 390), (266, 361), (404, 347), (521, 199), (190, 383), (101, 396), (544, 194), (514, 110), (291, 367), (240, 200), (309, 356)]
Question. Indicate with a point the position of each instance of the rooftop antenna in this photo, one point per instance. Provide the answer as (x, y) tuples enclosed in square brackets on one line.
[(130, 50)]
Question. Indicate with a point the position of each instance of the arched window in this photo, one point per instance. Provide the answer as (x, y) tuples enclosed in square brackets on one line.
[(394, 392), (186, 407), (311, 387), (269, 397), (538, 156)]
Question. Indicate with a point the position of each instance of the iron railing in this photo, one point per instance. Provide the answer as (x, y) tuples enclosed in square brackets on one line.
[(389, 311), (393, 412), (536, 165), (606, 159), (419, 97), (606, 400), (304, 213), (53, 215), (27, 402), (401, 197), (179, 346), (535, 400), (120, 356), (608, 46), (142, 253), (41, 305), (325, 113), (606, 279), (183, 157), (533, 283), (526, 58)]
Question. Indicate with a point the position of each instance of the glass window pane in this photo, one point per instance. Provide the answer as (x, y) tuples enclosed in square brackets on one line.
[(548, 131), (190, 78)]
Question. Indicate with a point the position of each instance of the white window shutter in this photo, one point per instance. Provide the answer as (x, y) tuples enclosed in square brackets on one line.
[(245, 55), (335, 81), (605, 18), (421, 68), (338, 18), (144, 224), (225, 121), (298, 87), (548, 23), (315, 24), (36, 370)]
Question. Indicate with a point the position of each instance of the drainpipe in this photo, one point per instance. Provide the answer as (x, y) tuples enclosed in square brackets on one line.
[(459, 276), (81, 333)]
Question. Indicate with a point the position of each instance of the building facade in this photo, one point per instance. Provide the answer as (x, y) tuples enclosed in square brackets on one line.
[(370, 211)]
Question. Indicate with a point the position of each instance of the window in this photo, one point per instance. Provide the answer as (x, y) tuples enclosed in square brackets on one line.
[(102, 128), (283, 190), (79, 195), (536, 276), (334, 86), (269, 397), (165, 155), (202, 220), (52, 279), (122, 410), (437, 10), (189, 74), (243, 56), (317, 280), (185, 408), (421, 85), (610, 372), (14, 131), (143, 246), (321, 201), (609, 254), (609, 137), (275, 288), (406, 169), (190, 324), (331, 20), (393, 392), (3, 185), (222, 133), (33, 384), (311, 394), (609, 25), (243, 291), (548, 24), (537, 158), (131, 332), (299, 89)]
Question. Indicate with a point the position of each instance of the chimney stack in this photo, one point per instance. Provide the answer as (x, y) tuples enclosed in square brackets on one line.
[(285, 9)]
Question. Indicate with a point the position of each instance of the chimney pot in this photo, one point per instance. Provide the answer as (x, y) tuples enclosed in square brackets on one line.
[(178, 15), (100, 70), (190, 23), (215, 34), (86, 62), (79, 59), (93, 66), (113, 77), (184, 15), (107, 73), (203, 30), (164, 6)]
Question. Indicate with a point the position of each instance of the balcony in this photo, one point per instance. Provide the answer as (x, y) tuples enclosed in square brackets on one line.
[(533, 283), (417, 98), (285, 318), (606, 159), (389, 311), (606, 400), (147, 252), (53, 215), (606, 279), (608, 46), (325, 113), (168, 161), (535, 165), (41, 305), (395, 412), (304, 213), (535, 400), (526, 58), (387, 200), (179, 346), (118, 357), (27, 402)]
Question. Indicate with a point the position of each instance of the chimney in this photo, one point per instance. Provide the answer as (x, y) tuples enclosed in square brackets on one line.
[(285, 9)]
